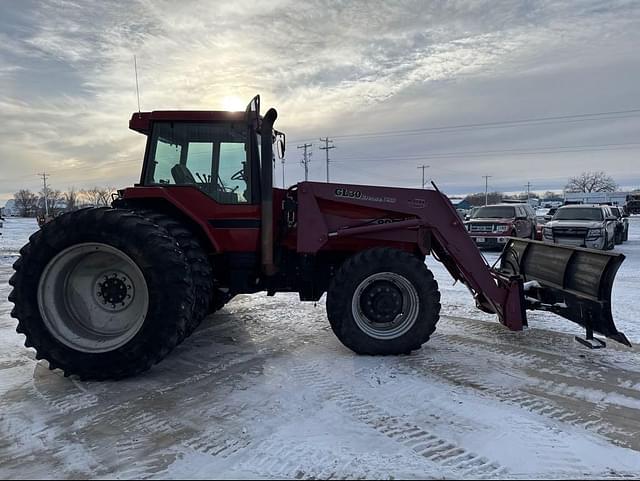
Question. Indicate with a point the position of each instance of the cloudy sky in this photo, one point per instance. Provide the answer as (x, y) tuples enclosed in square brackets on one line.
[(529, 91)]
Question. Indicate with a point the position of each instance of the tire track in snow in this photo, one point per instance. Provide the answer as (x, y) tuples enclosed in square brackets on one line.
[(545, 342), (557, 453), (62, 395), (552, 374), (434, 448), (534, 401), (283, 459), (591, 365)]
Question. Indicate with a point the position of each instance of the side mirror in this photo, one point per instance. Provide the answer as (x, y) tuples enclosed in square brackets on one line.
[(280, 144)]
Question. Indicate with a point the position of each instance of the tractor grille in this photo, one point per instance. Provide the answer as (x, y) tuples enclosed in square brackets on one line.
[(570, 231), (483, 228)]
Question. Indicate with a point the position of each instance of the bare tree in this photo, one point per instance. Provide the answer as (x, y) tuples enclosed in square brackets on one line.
[(26, 202), (71, 197), (91, 196), (98, 196), (105, 195), (53, 198), (591, 182), (478, 199)]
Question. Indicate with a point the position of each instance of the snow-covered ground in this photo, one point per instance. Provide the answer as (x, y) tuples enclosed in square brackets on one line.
[(264, 390)]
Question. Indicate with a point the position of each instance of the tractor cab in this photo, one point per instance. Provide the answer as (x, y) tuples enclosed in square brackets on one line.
[(216, 152)]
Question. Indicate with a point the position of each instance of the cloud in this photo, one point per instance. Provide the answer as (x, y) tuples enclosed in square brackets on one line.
[(67, 83)]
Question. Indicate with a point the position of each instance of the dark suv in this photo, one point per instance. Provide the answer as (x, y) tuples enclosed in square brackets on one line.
[(492, 225), (622, 227)]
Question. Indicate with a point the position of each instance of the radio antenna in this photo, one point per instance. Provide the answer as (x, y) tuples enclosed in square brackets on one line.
[(135, 67)]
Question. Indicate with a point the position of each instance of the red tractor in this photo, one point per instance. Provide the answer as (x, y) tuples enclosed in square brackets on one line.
[(105, 293)]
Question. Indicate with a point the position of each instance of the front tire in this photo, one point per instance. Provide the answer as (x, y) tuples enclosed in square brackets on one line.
[(383, 301), (609, 244), (102, 293)]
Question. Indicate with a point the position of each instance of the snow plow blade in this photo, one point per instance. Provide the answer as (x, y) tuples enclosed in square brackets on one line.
[(572, 282)]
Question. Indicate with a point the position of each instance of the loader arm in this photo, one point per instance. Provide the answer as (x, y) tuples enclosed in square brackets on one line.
[(432, 223)]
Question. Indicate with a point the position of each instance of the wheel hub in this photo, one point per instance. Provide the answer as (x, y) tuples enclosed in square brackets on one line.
[(381, 302), (385, 305), (114, 291)]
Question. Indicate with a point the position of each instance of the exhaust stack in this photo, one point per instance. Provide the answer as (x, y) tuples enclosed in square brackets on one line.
[(266, 168)]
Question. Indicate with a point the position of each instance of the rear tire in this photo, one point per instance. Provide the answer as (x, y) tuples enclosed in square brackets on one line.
[(382, 302), (58, 289), (201, 272)]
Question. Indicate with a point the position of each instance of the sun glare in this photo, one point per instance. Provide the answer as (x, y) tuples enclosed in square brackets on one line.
[(232, 103)]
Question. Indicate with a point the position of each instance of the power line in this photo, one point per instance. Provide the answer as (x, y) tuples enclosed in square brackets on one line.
[(45, 192), (305, 160), (486, 188), (584, 117), (423, 167), (524, 151), (326, 148)]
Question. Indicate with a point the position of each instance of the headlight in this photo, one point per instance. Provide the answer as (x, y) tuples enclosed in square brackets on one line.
[(547, 232), (502, 228), (594, 233)]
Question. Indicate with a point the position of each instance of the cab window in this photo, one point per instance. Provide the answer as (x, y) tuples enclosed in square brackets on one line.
[(213, 157)]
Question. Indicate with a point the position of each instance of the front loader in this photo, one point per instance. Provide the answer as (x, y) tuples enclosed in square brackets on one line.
[(105, 293)]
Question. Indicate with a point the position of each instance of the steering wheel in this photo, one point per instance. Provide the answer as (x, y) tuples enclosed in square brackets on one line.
[(239, 176)]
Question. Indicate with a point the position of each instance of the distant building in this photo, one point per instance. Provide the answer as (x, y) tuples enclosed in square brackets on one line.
[(10, 209), (613, 198), (460, 203)]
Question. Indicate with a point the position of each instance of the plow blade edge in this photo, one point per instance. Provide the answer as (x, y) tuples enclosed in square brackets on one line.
[(572, 282)]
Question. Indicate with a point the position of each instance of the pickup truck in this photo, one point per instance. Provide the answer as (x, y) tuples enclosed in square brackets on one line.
[(591, 226), (492, 225)]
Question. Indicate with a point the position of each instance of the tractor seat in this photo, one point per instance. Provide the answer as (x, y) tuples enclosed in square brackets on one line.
[(182, 175)]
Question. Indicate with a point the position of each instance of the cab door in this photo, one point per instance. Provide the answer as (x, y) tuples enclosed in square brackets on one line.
[(207, 169)]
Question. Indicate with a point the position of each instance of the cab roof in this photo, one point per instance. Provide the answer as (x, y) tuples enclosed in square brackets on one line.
[(141, 121)]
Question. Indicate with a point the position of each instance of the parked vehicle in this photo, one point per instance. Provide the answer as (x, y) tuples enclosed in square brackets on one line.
[(591, 226), (492, 225), (622, 227), (106, 293)]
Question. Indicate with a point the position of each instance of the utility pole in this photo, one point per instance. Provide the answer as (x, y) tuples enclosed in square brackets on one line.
[(305, 160), (423, 167), (44, 176), (486, 188), (283, 186), (528, 192), (326, 148)]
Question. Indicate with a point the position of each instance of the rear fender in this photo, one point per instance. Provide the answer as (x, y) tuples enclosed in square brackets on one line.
[(158, 199)]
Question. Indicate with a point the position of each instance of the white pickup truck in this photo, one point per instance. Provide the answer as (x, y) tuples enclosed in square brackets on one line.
[(591, 226)]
